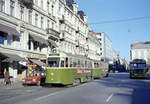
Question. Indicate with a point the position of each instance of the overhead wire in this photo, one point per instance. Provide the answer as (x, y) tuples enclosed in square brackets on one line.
[(121, 20)]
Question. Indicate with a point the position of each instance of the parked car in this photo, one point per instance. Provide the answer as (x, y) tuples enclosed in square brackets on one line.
[(35, 80)]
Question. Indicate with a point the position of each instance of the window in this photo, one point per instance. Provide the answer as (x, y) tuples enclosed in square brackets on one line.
[(16, 38), (48, 22), (52, 25), (42, 22), (48, 7), (42, 4), (36, 45), (62, 63), (2, 5), (30, 17), (36, 19), (52, 9), (12, 6), (22, 13), (29, 43), (9, 39), (59, 10)]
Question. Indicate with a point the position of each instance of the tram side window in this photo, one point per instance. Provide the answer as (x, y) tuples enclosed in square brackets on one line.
[(71, 62), (82, 64), (66, 62), (95, 65), (90, 64), (78, 64), (62, 63), (74, 63), (86, 64)]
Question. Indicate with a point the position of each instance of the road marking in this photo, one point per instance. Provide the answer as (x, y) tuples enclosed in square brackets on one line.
[(109, 98), (37, 99)]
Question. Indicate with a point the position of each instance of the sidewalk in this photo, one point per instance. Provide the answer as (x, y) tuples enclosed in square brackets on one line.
[(15, 84)]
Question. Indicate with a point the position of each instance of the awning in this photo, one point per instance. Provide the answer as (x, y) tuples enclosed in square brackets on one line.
[(9, 30), (12, 57), (39, 39), (37, 62), (52, 43)]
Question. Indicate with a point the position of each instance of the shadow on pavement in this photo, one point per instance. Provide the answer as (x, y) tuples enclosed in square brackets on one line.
[(139, 89)]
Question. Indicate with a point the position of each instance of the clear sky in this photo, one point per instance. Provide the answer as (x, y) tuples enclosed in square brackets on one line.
[(122, 34)]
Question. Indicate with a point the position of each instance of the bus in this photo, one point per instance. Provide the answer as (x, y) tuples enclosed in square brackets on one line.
[(138, 69)]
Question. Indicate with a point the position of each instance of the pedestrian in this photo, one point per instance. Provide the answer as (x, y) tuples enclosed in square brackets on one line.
[(6, 77)]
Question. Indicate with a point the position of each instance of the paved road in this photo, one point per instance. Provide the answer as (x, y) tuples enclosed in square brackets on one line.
[(116, 89)]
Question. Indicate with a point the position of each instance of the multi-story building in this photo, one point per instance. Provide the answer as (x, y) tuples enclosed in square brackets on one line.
[(107, 53), (140, 50), (73, 28), (24, 26), (93, 46), (33, 29)]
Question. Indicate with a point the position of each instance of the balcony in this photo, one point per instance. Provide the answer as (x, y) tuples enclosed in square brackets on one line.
[(54, 35), (27, 3)]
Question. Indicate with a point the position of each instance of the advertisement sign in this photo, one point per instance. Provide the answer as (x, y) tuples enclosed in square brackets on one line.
[(83, 71)]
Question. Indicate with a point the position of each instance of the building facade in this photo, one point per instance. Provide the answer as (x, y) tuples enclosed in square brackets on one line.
[(107, 53), (140, 50), (33, 29), (93, 46)]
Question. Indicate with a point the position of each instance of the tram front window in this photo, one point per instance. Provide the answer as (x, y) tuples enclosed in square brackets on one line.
[(53, 62)]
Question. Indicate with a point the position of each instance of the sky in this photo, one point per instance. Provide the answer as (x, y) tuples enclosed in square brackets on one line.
[(122, 34)]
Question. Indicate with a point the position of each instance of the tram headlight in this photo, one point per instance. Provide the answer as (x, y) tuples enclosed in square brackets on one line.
[(52, 73)]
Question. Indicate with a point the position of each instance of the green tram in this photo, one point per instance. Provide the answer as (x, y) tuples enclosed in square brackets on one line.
[(69, 69), (138, 69)]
